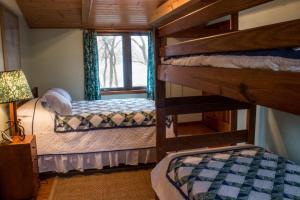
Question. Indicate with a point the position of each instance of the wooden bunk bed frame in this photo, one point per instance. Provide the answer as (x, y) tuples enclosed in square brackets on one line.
[(236, 88)]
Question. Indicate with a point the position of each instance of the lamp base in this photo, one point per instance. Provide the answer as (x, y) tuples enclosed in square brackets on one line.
[(6, 138), (19, 129), (16, 128)]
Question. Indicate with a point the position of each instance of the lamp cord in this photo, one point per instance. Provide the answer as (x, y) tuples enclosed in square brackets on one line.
[(33, 115)]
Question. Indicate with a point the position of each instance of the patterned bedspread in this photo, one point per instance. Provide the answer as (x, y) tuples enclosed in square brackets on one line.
[(252, 173), (103, 114)]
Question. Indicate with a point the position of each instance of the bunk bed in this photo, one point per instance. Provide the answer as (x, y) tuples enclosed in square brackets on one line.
[(233, 89)]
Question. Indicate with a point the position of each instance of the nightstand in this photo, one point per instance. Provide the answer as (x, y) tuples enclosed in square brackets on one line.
[(19, 169)]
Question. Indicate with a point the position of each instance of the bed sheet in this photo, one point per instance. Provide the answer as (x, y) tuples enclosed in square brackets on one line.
[(238, 62)]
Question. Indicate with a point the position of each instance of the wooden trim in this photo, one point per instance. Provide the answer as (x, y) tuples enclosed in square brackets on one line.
[(87, 6), (251, 122), (233, 119), (234, 22), (204, 31), (279, 90), (160, 94), (116, 92), (204, 140), (199, 104), (123, 30), (213, 11), (280, 35), (173, 9)]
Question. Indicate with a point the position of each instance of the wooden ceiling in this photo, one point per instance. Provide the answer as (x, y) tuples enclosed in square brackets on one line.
[(98, 14)]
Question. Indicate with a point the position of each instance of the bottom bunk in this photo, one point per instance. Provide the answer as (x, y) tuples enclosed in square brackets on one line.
[(238, 172)]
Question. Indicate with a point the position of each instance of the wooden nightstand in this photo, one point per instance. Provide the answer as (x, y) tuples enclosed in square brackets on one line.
[(19, 169)]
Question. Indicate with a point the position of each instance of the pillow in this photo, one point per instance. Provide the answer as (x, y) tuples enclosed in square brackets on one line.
[(57, 103), (63, 93)]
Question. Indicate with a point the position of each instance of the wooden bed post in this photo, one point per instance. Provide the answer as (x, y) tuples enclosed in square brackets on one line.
[(251, 121), (234, 26), (160, 95)]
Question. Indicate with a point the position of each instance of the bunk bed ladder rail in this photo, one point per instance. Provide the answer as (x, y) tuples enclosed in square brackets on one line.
[(200, 104)]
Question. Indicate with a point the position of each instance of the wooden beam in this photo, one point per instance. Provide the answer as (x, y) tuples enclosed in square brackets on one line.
[(279, 90), (160, 95), (280, 35), (205, 140), (215, 10), (123, 30), (174, 9), (87, 6), (234, 22), (204, 31), (199, 104), (251, 122)]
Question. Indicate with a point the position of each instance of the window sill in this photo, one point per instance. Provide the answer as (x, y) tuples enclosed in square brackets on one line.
[(116, 92)]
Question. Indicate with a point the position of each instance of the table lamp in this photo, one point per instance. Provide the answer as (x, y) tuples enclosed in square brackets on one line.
[(14, 87)]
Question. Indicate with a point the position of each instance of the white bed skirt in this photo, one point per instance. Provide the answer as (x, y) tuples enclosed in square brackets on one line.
[(98, 160)]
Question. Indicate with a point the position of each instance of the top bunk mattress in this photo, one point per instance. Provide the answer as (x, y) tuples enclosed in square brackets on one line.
[(276, 60)]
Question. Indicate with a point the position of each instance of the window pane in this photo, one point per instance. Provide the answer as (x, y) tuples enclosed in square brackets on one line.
[(110, 49), (139, 52)]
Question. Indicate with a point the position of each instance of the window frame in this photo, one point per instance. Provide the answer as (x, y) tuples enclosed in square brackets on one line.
[(127, 64)]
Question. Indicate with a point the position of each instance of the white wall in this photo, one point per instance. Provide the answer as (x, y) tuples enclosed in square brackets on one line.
[(277, 131), (57, 60)]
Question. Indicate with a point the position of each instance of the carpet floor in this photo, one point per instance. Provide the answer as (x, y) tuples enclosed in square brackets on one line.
[(126, 185)]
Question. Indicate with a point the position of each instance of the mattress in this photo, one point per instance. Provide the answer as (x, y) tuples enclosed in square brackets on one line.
[(105, 114), (276, 60), (50, 142), (239, 172)]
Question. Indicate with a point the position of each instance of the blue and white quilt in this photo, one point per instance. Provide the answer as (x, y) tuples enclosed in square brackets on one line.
[(103, 114), (248, 173)]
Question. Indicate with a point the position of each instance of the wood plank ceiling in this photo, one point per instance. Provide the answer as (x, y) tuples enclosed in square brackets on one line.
[(97, 14)]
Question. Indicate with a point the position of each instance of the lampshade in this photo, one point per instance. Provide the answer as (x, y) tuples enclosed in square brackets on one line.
[(14, 86)]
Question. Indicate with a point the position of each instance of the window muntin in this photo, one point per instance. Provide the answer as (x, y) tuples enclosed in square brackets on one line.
[(123, 59)]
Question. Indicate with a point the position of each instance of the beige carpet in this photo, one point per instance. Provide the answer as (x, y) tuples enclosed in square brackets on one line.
[(131, 185)]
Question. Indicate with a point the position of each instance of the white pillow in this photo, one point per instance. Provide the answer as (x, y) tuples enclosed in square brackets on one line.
[(57, 103), (62, 92)]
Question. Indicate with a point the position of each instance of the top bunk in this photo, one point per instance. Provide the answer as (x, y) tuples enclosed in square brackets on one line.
[(258, 65)]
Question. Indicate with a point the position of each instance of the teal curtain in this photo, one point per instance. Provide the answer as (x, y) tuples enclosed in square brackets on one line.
[(91, 66), (151, 68)]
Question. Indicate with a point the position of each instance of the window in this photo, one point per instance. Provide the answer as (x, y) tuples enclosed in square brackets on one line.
[(123, 60)]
